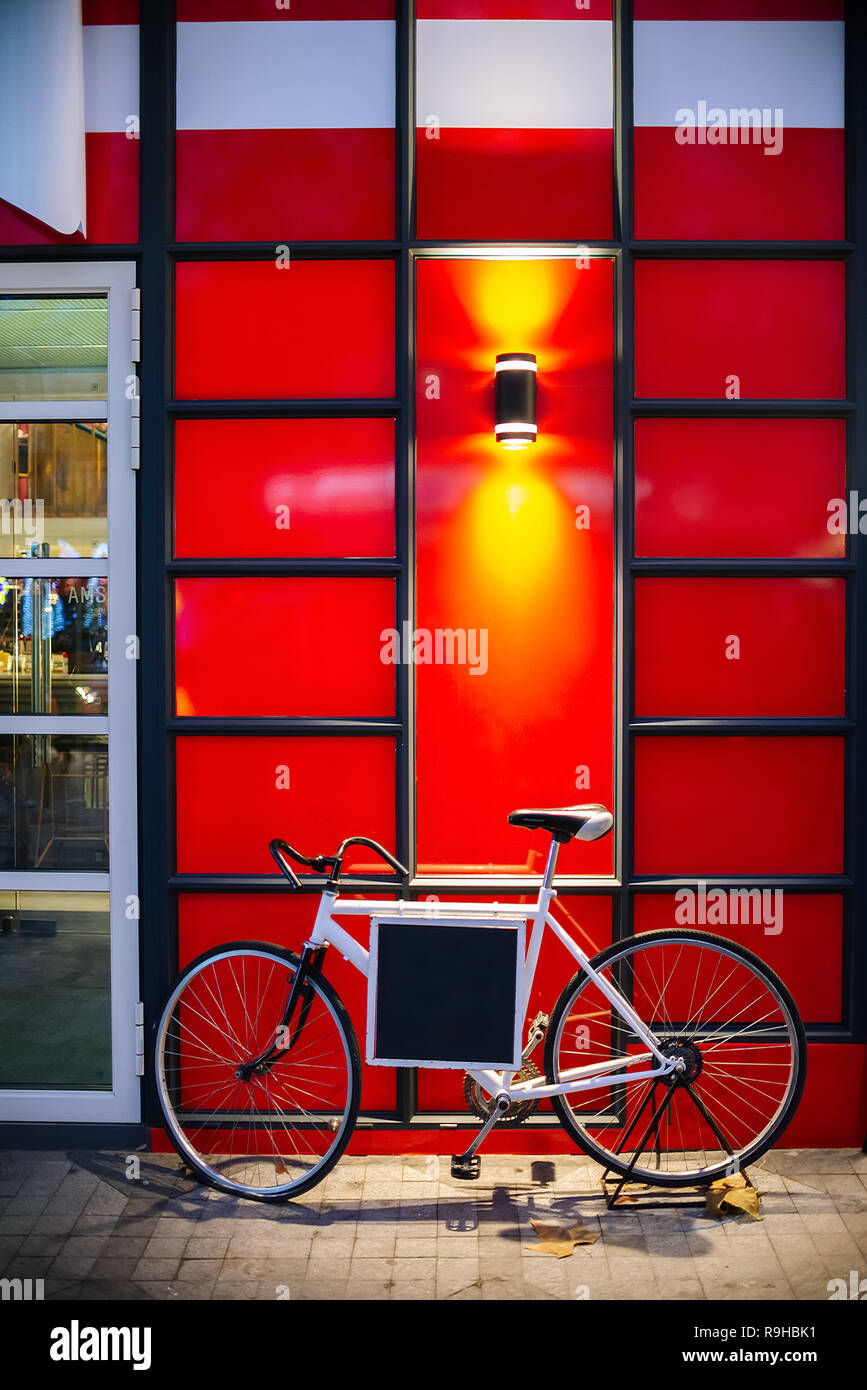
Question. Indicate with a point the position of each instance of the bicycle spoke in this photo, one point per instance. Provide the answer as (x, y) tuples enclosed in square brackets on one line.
[(265, 1130), (719, 1017)]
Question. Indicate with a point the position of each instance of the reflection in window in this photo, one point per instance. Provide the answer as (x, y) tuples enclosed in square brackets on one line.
[(53, 646), (53, 347), (53, 489), (54, 802), (55, 1000)]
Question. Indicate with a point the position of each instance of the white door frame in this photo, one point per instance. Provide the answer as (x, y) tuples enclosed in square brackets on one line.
[(121, 1104)]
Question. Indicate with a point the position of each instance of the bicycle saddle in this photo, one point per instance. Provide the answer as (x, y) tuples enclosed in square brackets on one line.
[(588, 822)]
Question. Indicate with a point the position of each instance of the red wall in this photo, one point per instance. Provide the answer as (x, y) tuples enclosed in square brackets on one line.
[(498, 548)]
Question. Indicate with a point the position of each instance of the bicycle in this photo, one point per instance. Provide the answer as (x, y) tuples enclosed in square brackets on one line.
[(671, 1070)]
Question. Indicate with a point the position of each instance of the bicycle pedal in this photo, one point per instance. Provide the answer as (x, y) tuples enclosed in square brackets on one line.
[(466, 1168)]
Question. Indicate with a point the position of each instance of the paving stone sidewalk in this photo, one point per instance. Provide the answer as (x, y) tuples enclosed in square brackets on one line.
[(391, 1228)]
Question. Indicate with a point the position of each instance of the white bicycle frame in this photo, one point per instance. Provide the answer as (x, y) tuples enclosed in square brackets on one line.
[(328, 932)]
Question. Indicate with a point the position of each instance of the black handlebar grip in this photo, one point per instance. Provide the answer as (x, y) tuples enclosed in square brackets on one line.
[(279, 848)]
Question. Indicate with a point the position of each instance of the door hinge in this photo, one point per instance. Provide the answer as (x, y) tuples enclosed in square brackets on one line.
[(135, 327), (135, 432), (139, 1039)]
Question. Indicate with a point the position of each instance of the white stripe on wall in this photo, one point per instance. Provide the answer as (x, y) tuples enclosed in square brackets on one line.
[(515, 74), (796, 65), (257, 75), (110, 76)]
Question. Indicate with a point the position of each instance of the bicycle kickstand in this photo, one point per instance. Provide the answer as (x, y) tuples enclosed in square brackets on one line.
[(468, 1165)]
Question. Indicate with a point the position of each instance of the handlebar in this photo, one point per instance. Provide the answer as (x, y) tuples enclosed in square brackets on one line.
[(320, 863), (369, 844)]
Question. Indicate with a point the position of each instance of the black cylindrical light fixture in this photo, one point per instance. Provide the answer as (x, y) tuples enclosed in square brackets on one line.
[(515, 399)]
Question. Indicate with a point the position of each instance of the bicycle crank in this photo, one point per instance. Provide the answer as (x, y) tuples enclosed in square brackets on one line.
[(518, 1111)]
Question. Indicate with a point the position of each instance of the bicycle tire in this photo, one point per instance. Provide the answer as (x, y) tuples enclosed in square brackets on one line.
[(684, 1170), (257, 1138)]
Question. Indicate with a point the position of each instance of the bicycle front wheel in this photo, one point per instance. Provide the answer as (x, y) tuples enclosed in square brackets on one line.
[(276, 1132), (728, 1020)]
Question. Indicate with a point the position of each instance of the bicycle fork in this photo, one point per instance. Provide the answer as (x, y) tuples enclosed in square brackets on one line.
[(284, 1040)]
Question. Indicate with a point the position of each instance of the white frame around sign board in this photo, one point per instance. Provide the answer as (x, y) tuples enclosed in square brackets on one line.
[(513, 923)]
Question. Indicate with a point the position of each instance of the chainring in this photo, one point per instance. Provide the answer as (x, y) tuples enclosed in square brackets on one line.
[(480, 1104)]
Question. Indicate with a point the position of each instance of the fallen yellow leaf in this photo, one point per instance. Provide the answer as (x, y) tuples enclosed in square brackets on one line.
[(735, 1193), (560, 1240)]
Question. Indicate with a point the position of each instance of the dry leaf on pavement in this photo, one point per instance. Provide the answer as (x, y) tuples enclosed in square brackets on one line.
[(733, 1193), (560, 1240)]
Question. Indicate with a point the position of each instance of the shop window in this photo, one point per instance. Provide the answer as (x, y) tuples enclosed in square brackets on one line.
[(738, 125), (732, 330), (53, 645), (53, 347), (234, 795), (740, 805), (54, 800), (266, 329), (285, 129), (740, 647), (739, 488), (54, 488), (284, 488), (295, 647), (514, 120), (56, 982)]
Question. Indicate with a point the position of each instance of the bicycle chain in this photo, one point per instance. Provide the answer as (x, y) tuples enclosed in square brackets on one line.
[(516, 1113)]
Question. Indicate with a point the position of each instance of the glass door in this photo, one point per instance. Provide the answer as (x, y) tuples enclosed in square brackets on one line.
[(68, 653)]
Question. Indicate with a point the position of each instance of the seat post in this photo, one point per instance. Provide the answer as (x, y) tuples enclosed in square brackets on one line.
[(552, 863)]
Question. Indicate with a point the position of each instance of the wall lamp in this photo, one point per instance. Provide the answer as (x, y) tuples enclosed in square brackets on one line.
[(515, 399)]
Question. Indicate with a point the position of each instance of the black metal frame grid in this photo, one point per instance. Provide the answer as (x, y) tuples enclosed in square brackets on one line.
[(158, 252)]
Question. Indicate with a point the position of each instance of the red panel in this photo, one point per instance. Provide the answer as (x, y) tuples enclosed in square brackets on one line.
[(209, 919), (588, 920), (214, 10), (719, 805), (521, 1142), (800, 935), (229, 804), (833, 1109), (292, 647), (832, 1113), (112, 187), (109, 11), (788, 657), (310, 487), (468, 177), (779, 326), (738, 9), (499, 554), (738, 487), (732, 191), (20, 229), (509, 9), (112, 199), (315, 328), (284, 185)]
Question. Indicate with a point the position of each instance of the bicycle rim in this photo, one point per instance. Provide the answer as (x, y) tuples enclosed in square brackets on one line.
[(728, 1019), (281, 1130)]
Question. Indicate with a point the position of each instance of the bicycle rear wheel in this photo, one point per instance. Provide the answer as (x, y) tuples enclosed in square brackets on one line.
[(276, 1133), (729, 1019)]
